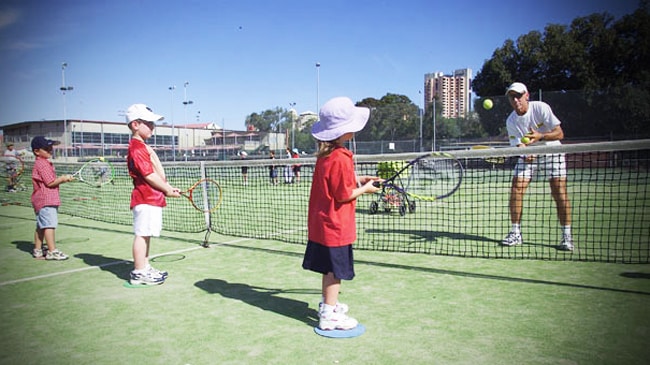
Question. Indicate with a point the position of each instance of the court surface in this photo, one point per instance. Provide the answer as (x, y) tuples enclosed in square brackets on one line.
[(245, 301)]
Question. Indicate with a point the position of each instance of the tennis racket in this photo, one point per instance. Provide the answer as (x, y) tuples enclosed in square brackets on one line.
[(96, 172), (205, 195), (430, 177)]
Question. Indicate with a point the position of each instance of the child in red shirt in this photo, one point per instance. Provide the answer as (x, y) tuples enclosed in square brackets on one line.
[(332, 204), (150, 187)]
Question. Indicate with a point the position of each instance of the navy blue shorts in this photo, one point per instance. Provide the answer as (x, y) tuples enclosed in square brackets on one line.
[(323, 259)]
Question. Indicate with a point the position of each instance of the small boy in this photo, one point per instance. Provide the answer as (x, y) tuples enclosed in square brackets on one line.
[(150, 187), (11, 158), (45, 199)]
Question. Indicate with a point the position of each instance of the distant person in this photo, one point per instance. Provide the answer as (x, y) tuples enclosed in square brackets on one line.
[(332, 203), (11, 157), (295, 167), (273, 172), (288, 170), (535, 121), (150, 187), (244, 169), (46, 199)]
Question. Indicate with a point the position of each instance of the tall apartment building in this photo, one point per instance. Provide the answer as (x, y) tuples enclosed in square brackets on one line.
[(453, 91)]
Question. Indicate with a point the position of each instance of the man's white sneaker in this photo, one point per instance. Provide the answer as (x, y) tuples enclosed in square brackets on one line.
[(566, 244), (512, 239)]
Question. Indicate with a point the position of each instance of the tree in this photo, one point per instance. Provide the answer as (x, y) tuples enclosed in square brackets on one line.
[(393, 117), (604, 61)]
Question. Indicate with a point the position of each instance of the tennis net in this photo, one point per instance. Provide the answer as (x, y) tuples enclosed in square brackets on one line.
[(608, 186)]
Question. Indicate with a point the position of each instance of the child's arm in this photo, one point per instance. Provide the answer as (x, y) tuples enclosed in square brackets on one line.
[(158, 183), (60, 180), (366, 188)]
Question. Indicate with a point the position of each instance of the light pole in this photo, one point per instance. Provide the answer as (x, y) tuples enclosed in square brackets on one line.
[(421, 116), (434, 126), (185, 102), (172, 88), (293, 125), (317, 88), (63, 89)]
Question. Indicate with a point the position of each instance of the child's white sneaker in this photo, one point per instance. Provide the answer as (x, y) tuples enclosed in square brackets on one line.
[(331, 319)]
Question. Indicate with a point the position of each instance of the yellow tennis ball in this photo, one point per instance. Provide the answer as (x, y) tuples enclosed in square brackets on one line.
[(487, 104), (101, 159), (525, 140)]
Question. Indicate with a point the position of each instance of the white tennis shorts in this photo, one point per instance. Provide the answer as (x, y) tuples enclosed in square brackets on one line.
[(147, 220), (554, 165)]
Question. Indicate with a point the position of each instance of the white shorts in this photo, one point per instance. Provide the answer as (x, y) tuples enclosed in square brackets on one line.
[(147, 220), (554, 165)]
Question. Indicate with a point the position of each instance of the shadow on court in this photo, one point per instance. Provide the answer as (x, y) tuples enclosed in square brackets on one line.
[(113, 265), (264, 298), (25, 246), (460, 273)]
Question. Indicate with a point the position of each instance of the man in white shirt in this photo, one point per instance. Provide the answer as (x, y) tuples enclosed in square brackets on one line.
[(534, 122)]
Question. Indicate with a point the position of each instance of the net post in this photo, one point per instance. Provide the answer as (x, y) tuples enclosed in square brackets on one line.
[(207, 215)]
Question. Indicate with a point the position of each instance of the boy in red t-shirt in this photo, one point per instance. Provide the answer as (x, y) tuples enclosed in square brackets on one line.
[(150, 187), (332, 202)]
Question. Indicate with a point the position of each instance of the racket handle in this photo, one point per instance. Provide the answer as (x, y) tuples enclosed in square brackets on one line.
[(376, 184)]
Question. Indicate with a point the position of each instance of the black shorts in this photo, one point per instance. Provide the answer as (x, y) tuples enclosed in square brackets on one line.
[(323, 259)]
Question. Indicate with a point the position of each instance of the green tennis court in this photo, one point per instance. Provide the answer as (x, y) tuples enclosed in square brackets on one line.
[(247, 301)]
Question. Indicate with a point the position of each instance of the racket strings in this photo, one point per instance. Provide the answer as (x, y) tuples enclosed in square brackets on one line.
[(206, 196), (96, 173), (434, 177)]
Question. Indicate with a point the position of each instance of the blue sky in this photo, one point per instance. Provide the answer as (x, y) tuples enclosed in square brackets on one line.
[(245, 56)]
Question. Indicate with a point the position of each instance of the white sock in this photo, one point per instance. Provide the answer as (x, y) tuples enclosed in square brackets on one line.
[(566, 230), (516, 227)]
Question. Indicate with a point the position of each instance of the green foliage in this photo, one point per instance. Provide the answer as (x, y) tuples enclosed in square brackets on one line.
[(606, 61)]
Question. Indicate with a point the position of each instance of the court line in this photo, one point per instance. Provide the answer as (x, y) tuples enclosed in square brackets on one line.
[(45, 276)]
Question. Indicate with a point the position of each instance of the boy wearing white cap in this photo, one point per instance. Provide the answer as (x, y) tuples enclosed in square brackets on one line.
[(535, 121), (332, 202), (150, 187)]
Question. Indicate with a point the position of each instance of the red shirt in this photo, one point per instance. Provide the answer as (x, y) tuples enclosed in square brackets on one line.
[(43, 174), (331, 223), (139, 164)]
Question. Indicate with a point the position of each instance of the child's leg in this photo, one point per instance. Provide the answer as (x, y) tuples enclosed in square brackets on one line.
[(141, 252), (38, 239), (48, 236), (331, 287)]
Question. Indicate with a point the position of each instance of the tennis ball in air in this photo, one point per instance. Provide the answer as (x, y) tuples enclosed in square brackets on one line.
[(525, 140), (487, 104), (101, 159)]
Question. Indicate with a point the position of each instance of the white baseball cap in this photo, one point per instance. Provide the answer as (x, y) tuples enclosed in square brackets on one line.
[(142, 112), (337, 117), (517, 87)]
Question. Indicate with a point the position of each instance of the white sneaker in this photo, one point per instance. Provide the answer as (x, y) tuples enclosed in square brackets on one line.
[(335, 319), (339, 308), (512, 239), (145, 278), (156, 272), (56, 255), (566, 244), (38, 254)]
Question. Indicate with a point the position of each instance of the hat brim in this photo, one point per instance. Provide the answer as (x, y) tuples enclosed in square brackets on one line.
[(356, 123)]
